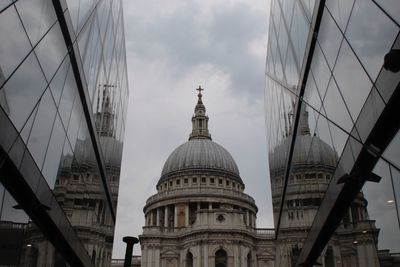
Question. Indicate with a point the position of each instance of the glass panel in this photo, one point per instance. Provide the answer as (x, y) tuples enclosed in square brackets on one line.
[(354, 91), (340, 10), (299, 33), (370, 41), (51, 50), (4, 4), (389, 78), (370, 114), (311, 94), (309, 7), (392, 152), (54, 151), (291, 71), (37, 17), (382, 208), (24, 90), (396, 187), (12, 50), (320, 70), (329, 38), (21, 241), (59, 79), (331, 134), (73, 125), (41, 130), (392, 7), (335, 108), (67, 98)]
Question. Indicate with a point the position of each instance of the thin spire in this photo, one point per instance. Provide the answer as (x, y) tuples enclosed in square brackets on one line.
[(199, 119)]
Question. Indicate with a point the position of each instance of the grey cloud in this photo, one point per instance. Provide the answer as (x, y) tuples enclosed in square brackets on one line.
[(192, 36)]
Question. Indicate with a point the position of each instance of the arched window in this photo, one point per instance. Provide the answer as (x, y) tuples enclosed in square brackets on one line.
[(221, 258), (189, 259)]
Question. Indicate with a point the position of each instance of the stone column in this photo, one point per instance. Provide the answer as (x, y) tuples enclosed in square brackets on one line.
[(175, 216), (205, 255), (187, 214), (210, 206), (166, 216), (158, 217), (236, 256), (144, 257), (157, 256), (151, 217), (197, 259)]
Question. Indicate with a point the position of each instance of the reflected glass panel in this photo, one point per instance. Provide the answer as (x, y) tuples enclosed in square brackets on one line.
[(22, 243), (340, 10), (42, 126), (392, 7), (37, 17), (51, 50), (370, 114), (311, 94), (299, 33), (309, 7), (291, 71), (392, 152), (24, 90), (67, 98), (12, 50), (331, 134), (320, 70), (54, 152), (329, 38), (382, 208), (59, 79), (336, 109), (4, 4), (370, 41), (354, 91)]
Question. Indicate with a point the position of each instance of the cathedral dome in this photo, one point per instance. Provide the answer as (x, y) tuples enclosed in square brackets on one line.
[(308, 150), (201, 154)]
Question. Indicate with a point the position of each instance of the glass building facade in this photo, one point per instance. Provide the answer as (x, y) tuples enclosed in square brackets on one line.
[(332, 110), (63, 97)]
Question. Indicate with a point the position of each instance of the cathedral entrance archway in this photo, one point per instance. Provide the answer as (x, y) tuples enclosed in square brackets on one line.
[(189, 259), (221, 258)]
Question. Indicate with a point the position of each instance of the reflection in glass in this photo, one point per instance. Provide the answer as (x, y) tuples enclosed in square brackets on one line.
[(51, 50), (335, 108), (354, 91), (371, 40), (24, 89), (13, 50), (21, 242), (37, 16), (329, 38), (42, 127), (340, 10), (382, 207), (392, 8)]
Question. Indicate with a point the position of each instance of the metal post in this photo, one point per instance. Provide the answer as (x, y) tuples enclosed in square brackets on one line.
[(130, 241)]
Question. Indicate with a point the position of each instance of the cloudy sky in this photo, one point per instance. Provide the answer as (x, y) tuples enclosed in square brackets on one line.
[(173, 47)]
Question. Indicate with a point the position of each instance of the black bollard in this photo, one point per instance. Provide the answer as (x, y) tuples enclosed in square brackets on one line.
[(130, 241)]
